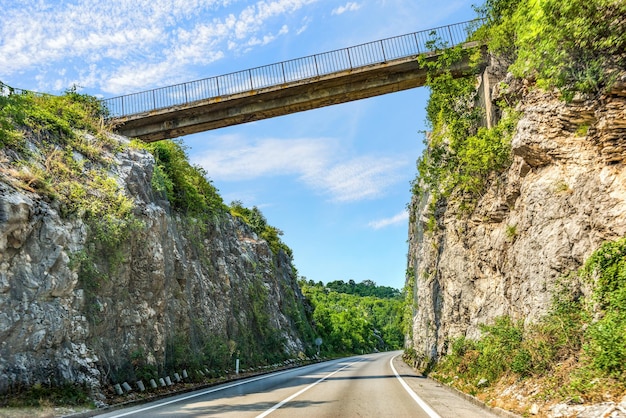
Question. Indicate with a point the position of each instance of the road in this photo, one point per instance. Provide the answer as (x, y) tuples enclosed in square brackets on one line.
[(374, 385)]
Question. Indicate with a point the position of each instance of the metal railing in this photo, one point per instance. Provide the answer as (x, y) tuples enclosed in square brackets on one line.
[(6, 90), (295, 70)]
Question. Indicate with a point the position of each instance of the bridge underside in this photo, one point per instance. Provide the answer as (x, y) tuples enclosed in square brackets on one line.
[(219, 112)]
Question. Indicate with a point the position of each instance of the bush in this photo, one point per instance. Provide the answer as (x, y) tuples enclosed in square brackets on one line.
[(256, 220), (606, 344), (580, 342), (187, 187), (38, 395), (575, 46)]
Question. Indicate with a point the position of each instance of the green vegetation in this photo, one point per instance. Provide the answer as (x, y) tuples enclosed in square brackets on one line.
[(606, 336), (255, 219), (461, 155), (365, 288), (187, 187), (50, 117), (40, 395), (575, 46), (70, 163), (580, 344), (511, 232), (349, 324)]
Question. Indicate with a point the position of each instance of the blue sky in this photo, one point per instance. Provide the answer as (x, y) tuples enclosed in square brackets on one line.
[(335, 180)]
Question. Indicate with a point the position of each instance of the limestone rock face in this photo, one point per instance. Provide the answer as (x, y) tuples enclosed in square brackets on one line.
[(563, 195), (177, 281)]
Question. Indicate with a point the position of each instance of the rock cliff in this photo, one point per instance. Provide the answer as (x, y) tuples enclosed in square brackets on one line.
[(562, 196), (176, 293)]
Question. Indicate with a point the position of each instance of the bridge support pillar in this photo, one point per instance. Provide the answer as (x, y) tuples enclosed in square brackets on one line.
[(486, 82)]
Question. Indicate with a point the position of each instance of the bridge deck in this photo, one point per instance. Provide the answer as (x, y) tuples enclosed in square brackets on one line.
[(334, 77)]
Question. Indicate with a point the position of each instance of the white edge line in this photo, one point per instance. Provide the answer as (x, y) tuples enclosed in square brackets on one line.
[(199, 394), (284, 401), (422, 404)]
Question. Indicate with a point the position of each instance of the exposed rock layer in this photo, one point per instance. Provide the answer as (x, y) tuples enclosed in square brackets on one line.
[(178, 283), (563, 195)]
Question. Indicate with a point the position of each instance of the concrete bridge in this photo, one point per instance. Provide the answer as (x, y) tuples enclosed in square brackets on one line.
[(339, 76)]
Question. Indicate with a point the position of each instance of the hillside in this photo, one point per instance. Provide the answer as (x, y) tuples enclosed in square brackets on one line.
[(516, 259), (119, 262), (355, 318)]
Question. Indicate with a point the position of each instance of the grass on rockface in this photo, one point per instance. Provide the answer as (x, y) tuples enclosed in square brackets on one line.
[(576, 353), (40, 395)]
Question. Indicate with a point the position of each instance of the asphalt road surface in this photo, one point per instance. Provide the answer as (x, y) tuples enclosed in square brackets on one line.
[(374, 385)]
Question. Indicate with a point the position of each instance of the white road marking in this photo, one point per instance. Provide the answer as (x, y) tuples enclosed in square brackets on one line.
[(281, 403), (431, 412), (147, 408)]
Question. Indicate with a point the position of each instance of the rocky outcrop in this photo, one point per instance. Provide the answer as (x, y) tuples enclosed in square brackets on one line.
[(563, 195), (179, 288)]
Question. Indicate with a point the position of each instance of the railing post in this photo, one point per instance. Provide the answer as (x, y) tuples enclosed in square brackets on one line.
[(154, 99), (382, 47), (185, 87), (317, 71), (282, 66), (250, 74), (417, 44), (217, 83), (349, 59), (451, 39)]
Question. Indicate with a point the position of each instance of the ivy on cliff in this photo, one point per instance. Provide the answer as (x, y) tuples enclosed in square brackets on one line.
[(574, 47), (69, 161), (461, 154)]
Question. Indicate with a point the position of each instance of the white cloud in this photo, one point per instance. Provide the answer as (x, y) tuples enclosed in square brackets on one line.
[(304, 25), (314, 161), (235, 158), (348, 7), (136, 44), (400, 218), (359, 178)]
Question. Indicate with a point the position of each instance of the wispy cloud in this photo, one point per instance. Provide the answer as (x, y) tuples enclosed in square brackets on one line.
[(137, 43), (359, 178), (348, 7), (313, 161), (400, 218)]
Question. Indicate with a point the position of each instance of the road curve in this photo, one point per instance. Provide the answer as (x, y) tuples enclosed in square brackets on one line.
[(374, 385)]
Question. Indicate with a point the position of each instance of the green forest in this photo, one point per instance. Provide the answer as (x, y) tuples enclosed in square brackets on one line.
[(355, 318)]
